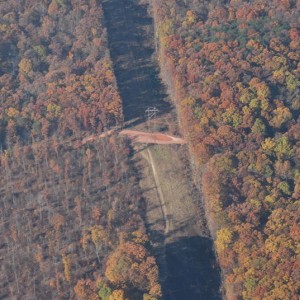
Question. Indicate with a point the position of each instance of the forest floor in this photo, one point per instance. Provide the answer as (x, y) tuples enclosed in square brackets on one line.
[(174, 210)]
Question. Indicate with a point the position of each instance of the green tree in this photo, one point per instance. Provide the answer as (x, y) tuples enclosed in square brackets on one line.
[(259, 127), (104, 291)]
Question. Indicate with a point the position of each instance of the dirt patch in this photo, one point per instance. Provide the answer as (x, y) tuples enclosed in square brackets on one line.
[(136, 137), (152, 138)]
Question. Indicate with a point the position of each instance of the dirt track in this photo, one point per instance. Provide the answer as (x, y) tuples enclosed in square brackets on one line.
[(161, 198), (152, 138), (137, 137)]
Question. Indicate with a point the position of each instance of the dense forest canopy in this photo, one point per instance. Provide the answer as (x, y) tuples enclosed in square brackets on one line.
[(56, 76), (234, 69)]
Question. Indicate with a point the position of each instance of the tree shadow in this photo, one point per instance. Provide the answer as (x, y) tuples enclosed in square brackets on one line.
[(192, 271), (131, 44)]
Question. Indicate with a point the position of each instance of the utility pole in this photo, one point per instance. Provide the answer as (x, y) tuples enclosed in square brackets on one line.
[(151, 113)]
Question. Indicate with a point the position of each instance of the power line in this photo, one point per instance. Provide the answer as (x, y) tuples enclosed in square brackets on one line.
[(151, 113)]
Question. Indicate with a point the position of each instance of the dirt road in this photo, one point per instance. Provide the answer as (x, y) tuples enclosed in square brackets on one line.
[(152, 138), (136, 137)]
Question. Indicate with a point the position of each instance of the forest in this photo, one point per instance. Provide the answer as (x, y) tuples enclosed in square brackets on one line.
[(72, 222), (71, 215), (233, 68), (56, 76)]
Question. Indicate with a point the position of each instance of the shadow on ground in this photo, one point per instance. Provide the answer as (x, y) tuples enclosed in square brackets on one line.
[(131, 44), (192, 273)]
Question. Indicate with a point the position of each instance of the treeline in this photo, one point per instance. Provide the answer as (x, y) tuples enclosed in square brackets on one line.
[(234, 69), (56, 76)]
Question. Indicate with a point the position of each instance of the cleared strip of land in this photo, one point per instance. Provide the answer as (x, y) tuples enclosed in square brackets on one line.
[(174, 212)]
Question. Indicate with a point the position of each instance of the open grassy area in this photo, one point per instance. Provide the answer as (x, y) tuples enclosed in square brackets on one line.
[(176, 224), (180, 199)]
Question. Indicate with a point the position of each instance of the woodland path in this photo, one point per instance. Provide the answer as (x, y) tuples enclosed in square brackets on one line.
[(174, 214)]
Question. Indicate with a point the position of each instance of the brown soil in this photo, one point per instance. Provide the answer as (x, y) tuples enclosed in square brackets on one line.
[(137, 137), (152, 138)]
